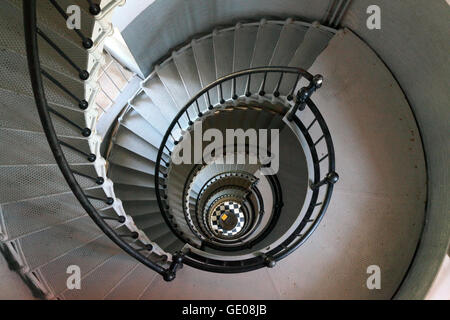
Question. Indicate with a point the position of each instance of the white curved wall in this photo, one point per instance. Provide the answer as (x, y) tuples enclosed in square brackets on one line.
[(413, 43)]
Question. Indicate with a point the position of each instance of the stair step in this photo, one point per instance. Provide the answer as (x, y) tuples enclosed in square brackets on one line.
[(176, 245), (11, 22), (32, 148), (166, 240), (134, 122), (129, 140), (169, 76), (27, 118), (204, 58), (128, 176), (244, 44), (50, 19), (41, 247), (24, 217), (50, 179), (157, 92), (143, 105), (157, 231), (125, 158), (266, 41), (133, 285), (139, 208), (100, 281), (87, 257), (315, 41), (223, 41), (130, 193), (187, 68), (291, 37), (14, 76), (148, 220)]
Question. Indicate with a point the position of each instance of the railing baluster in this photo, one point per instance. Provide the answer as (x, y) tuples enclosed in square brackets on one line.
[(97, 180), (318, 140), (87, 42), (190, 122), (199, 114), (44, 111), (311, 124), (318, 204), (147, 247), (133, 235), (120, 219), (290, 97), (222, 100), (323, 158), (83, 104), (331, 178), (210, 106), (108, 201), (85, 132), (247, 86), (234, 95), (82, 74), (90, 156), (276, 93), (262, 91), (173, 138)]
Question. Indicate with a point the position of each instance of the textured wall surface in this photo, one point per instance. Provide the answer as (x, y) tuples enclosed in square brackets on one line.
[(413, 42)]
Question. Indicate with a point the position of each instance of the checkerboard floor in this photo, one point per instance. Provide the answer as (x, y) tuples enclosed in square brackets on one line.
[(228, 207)]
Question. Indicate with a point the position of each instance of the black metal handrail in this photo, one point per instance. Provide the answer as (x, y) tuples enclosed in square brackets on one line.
[(36, 75), (301, 102)]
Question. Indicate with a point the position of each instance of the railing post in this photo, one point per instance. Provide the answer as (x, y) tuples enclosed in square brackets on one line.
[(304, 94), (177, 263), (331, 178)]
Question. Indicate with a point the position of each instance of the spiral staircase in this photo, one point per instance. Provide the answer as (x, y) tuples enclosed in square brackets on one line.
[(327, 200)]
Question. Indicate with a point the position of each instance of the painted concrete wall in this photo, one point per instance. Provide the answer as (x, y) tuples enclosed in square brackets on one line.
[(413, 42)]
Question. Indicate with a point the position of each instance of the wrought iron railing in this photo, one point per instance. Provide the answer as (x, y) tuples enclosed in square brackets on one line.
[(300, 100), (125, 241)]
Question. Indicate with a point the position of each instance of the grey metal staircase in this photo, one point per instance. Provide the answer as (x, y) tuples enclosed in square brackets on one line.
[(139, 210)]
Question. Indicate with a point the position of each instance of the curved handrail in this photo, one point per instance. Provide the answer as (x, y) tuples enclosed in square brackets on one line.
[(299, 72), (36, 72), (302, 100)]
